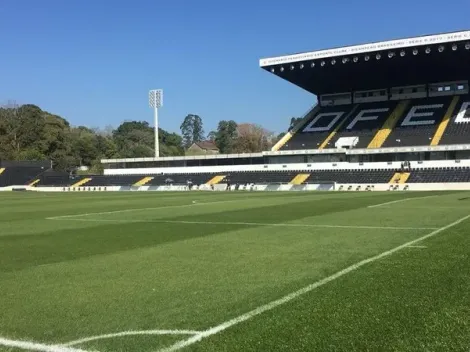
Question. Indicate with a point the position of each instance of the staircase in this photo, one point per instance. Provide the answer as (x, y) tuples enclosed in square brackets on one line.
[(81, 182), (299, 179), (143, 181), (445, 121), (388, 125), (215, 180), (338, 127), (310, 113), (34, 183), (400, 177)]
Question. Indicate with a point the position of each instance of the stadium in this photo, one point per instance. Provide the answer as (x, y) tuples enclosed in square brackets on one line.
[(369, 253), (379, 105)]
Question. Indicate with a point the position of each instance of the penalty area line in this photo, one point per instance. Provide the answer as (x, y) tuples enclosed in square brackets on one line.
[(131, 333), (364, 227), (286, 299), (35, 346), (399, 201)]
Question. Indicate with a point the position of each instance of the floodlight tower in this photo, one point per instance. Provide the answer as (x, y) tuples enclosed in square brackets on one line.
[(156, 102)]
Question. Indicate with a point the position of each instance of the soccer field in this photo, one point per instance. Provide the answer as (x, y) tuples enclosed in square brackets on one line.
[(219, 271)]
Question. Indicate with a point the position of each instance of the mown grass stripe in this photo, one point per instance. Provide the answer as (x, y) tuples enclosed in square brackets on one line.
[(286, 299)]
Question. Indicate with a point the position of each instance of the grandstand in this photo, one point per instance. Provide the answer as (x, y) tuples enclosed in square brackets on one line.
[(378, 105)]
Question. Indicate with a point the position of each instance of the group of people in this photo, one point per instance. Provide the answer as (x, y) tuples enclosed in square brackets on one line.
[(405, 166)]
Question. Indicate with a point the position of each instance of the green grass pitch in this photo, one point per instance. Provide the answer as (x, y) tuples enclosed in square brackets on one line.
[(241, 271)]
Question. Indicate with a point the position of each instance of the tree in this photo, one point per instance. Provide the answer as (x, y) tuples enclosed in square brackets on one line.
[(135, 139), (211, 136), (84, 145), (192, 130), (57, 142), (171, 144), (252, 138), (29, 133), (294, 121), (225, 136)]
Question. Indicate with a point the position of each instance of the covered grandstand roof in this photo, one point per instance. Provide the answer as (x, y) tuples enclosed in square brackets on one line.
[(418, 60)]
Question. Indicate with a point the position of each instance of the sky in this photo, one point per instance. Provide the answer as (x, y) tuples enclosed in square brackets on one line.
[(94, 61)]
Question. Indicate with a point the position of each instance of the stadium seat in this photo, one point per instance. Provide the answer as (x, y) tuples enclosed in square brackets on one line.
[(317, 129), (458, 129), (418, 123), (364, 123), (440, 175), (19, 175)]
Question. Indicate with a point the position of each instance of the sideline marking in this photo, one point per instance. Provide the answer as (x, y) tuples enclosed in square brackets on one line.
[(248, 224), (34, 346), (274, 304), (132, 333), (417, 246), (400, 200), (138, 209)]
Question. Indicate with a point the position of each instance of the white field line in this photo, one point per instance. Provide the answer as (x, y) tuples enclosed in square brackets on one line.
[(34, 346), (131, 333), (286, 299), (430, 207), (139, 209), (247, 224), (417, 246), (399, 201)]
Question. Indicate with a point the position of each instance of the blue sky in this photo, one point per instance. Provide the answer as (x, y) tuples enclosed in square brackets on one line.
[(93, 61)]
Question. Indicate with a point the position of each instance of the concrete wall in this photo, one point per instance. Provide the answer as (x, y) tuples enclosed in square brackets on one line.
[(261, 187), (297, 167)]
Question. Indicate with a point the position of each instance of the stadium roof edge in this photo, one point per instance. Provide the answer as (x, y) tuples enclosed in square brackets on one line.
[(368, 47)]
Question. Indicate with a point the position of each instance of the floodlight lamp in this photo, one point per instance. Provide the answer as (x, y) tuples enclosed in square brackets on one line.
[(441, 48), (333, 61), (272, 70), (355, 59), (156, 98), (428, 50), (402, 53), (415, 52), (291, 67), (391, 54), (345, 60), (301, 66), (367, 57), (454, 47), (282, 69), (323, 63), (378, 56), (312, 64), (467, 46)]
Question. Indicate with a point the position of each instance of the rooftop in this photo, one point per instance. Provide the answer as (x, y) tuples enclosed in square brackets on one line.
[(417, 60)]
